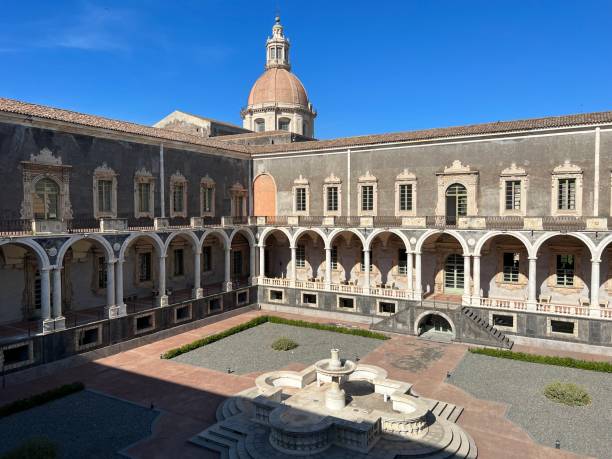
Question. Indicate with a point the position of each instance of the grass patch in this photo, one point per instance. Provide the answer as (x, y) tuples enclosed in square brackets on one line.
[(262, 320), (567, 393), (40, 399), (284, 344), (34, 448), (604, 367)]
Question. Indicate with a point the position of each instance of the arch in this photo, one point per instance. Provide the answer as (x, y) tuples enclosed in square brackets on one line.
[(189, 235), (245, 233), (110, 254), (302, 231), (157, 242), (266, 232), (222, 235), (419, 245), (521, 237), (264, 195), (601, 247), (424, 314), (337, 231), (43, 259), (582, 237), (397, 232)]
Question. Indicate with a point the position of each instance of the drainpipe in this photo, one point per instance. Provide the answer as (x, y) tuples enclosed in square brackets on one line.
[(596, 177), (162, 180), (348, 182)]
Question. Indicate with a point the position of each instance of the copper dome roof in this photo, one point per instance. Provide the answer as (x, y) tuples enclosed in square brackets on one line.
[(278, 85)]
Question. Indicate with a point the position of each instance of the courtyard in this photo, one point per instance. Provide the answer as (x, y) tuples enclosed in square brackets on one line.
[(185, 391)]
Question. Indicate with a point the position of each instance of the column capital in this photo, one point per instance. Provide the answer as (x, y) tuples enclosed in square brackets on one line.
[(595, 260), (532, 258), (476, 256)]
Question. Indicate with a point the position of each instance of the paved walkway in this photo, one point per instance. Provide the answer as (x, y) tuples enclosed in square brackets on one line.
[(188, 396)]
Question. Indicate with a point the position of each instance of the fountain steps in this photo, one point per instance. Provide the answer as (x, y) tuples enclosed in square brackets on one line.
[(443, 410)]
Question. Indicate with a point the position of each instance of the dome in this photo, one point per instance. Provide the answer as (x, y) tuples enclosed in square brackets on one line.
[(278, 85)]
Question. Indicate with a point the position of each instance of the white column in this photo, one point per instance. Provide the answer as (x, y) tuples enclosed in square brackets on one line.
[(111, 307), (45, 299), (121, 309), (595, 271), (262, 261), (293, 276), (60, 321), (467, 280), (418, 287), (197, 274), (410, 271), (366, 263), (228, 278), (531, 284), (162, 299), (328, 267), (476, 293), (252, 265)]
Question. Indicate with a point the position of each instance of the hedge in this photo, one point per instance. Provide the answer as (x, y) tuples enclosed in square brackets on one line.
[(40, 399), (604, 367), (34, 448), (262, 320)]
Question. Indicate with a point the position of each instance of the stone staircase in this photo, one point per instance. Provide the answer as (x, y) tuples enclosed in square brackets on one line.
[(444, 410), (485, 333)]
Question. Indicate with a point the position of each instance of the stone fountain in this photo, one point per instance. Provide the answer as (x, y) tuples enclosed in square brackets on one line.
[(334, 371)]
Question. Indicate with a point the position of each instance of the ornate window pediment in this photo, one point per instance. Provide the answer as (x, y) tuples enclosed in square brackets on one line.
[(144, 194), (566, 185), (207, 196), (105, 192), (301, 196), (457, 173), (367, 190), (332, 196), (513, 188), (52, 200)]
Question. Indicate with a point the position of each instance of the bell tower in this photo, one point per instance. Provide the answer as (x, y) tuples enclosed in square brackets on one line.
[(277, 48)]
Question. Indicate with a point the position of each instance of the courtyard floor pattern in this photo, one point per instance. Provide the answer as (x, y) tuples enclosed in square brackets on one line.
[(583, 429), (250, 351), (83, 425)]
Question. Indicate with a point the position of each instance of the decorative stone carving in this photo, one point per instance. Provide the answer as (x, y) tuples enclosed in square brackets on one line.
[(463, 175), (46, 157)]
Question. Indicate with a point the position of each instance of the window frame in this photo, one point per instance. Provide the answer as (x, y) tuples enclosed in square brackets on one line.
[(141, 177), (301, 183), (564, 172), (406, 178), (208, 184), (332, 182), (178, 180), (367, 180)]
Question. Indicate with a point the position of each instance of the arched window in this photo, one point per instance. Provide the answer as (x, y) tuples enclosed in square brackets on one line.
[(453, 274), (260, 125), (456, 203), (283, 124), (45, 201)]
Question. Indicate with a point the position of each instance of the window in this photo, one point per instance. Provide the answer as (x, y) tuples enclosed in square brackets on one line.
[(300, 199), (182, 313), (511, 267), (101, 270), (276, 295), (144, 323), (362, 263), (237, 259), (346, 302), (386, 307), (144, 190), (46, 200), (565, 270), (179, 266), (283, 124), (242, 297), (178, 197), (456, 201), (215, 304), (566, 199), (332, 199), (309, 299), (561, 326), (144, 267), (105, 193), (207, 257), (502, 320), (405, 197), (513, 195), (367, 198), (300, 256), (260, 125), (207, 194), (402, 263), (238, 195), (334, 257)]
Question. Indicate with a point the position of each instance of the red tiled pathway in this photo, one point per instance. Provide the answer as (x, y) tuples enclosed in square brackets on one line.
[(188, 396)]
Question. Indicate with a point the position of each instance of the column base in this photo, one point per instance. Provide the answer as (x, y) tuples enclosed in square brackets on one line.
[(55, 324), (531, 305), (475, 301), (254, 280), (228, 286), (466, 300), (417, 296), (162, 300), (198, 293), (115, 311)]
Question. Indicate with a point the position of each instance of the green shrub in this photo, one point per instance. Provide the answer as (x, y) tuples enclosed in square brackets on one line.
[(40, 399), (34, 448), (567, 393), (284, 344), (262, 320), (604, 367)]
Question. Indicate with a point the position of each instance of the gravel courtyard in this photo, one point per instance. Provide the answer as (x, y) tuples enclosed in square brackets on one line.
[(583, 430), (249, 351), (83, 425)]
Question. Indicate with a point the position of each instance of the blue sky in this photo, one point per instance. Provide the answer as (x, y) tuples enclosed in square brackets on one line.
[(369, 67)]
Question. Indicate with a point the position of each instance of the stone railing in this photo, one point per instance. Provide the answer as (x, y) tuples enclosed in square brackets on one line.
[(548, 308)]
